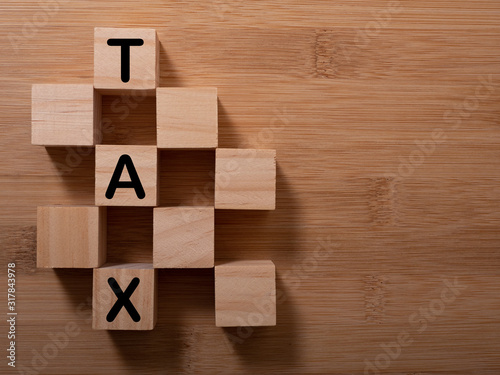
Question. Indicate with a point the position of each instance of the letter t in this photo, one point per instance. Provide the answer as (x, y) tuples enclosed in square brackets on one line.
[(125, 54)]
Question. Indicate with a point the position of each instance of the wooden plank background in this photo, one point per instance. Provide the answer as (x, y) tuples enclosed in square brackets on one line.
[(385, 116)]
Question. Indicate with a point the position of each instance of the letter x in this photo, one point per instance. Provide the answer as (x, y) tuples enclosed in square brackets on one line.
[(123, 300)]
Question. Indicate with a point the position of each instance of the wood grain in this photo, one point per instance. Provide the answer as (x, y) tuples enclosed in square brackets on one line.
[(358, 247), (183, 237), (245, 293), (65, 115), (186, 117), (71, 236), (245, 179)]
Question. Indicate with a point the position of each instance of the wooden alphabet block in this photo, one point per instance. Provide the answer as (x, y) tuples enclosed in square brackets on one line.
[(245, 293), (186, 117), (126, 59), (124, 297), (245, 179), (183, 237), (71, 236), (126, 176), (65, 115)]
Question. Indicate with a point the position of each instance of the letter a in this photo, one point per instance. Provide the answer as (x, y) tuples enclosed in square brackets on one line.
[(135, 182)]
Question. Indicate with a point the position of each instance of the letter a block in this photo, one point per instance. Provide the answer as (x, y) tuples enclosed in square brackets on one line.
[(126, 59), (126, 176), (186, 117), (183, 237), (245, 293), (71, 236), (65, 115), (124, 297), (245, 179)]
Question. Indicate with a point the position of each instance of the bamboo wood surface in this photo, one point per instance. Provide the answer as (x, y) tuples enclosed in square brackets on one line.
[(386, 121)]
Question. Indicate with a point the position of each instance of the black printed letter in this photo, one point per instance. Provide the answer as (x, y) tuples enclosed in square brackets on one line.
[(135, 182), (125, 44)]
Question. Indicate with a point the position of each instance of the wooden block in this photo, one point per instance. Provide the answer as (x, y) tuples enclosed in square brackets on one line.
[(110, 160), (186, 117), (245, 293), (125, 297), (245, 179), (65, 115), (183, 237), (71, 236), (144, 73)]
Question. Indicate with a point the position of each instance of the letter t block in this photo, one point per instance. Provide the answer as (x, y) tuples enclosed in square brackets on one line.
[(140, 60)]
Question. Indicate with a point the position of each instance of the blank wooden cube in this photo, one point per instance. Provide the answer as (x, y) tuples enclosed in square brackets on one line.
[(71, 236), (183, 237), (124, 297), (144, 71), (186, 117), (245, 293), (65, 115), (245, 179), (145, 162)]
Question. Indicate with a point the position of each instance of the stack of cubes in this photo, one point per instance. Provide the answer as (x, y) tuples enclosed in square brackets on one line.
[(183, 237)]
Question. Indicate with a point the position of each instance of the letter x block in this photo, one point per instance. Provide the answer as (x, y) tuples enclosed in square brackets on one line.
[(183, 237), (133, 66), (245, 179), (186, 117), (126, 176), (124, 297), (65, 115), (71, 236), (245, 293)]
